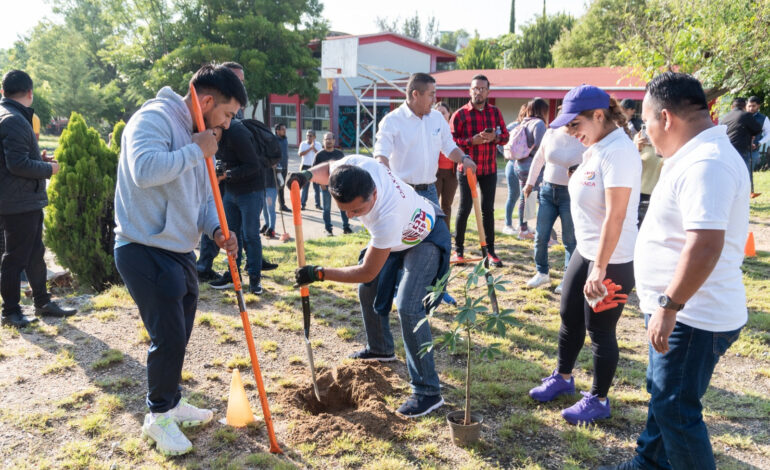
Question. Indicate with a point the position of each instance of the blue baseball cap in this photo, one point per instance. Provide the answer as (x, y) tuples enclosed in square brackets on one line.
[(579, 99)]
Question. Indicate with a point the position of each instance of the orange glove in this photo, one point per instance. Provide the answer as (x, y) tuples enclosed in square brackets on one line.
[(612, 299)]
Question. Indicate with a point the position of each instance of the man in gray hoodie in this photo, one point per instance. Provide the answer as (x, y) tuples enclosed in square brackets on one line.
[(163, 202)]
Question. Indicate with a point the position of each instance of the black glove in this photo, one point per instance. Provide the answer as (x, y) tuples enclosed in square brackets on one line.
[(301, 177), (220, 167), (308, 274)]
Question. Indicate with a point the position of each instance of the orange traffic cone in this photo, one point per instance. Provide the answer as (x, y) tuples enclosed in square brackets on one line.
[(238, 409), (750, 251)]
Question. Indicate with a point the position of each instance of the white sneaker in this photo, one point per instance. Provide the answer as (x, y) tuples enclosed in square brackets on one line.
[(538, 280), (558, 289), (508, 230), (162, 430), (186, 415)]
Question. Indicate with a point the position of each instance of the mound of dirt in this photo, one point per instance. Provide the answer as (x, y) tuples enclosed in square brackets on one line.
[(352, 402)]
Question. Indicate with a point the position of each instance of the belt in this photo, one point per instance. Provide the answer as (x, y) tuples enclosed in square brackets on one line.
[(420, 187), (564, 186)]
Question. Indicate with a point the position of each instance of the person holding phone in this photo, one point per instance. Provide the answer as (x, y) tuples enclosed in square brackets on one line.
[(477, 128)]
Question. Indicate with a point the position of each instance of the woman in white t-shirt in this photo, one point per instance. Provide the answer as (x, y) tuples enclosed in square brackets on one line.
[(604, 196), (559, 152)]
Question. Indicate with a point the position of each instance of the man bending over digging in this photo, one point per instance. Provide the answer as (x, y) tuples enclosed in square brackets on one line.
[(163, 203), (406, 234)]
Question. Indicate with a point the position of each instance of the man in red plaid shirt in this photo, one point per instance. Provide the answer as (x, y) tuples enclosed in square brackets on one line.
[(478, 128)]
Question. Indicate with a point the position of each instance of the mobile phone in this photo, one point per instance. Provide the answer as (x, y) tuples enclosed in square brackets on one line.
[(643, 131), (488, 129)]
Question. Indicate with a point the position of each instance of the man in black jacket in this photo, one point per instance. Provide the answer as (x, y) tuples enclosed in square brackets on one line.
[(23, 171), (741, 129), (243, 171)]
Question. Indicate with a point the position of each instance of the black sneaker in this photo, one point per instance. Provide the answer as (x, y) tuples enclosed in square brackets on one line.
[(52, 309), (268, 266), (347, 230), (328, 233), (419, 405), (263, 229), (494, 260), (366, 355), (270, 234), (207, 276), (285, 209), (225, 281), (318, 206), (17, 319), (255, 288)]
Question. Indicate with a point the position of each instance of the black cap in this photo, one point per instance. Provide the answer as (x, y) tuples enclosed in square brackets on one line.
[(628, 103)]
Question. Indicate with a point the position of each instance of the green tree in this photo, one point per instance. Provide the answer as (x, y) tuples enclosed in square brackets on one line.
[(480, 54), (411, 27), (725, 44), (594, 40), (532, 48), (512, 20), (79, 221), (117, 135), (269, 39), (450, 40)]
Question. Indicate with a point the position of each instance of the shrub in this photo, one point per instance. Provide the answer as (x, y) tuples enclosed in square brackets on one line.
[(79, 220)]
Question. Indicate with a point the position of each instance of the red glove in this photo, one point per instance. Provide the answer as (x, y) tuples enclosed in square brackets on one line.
[(612, 299)]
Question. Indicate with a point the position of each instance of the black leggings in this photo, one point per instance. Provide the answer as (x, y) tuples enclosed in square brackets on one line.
[(487, 186), (577, 316)]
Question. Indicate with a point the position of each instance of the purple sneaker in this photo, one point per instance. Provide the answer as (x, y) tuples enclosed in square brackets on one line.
[(552, 387), (586, 410)]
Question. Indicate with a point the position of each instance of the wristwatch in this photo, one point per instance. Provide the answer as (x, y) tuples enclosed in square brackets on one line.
[(665, 302)]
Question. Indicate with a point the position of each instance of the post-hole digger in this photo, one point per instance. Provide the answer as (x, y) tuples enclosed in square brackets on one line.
[(201, 126), (304, 291)]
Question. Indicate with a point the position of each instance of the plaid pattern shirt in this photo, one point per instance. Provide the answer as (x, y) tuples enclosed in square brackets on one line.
[(467, 122)]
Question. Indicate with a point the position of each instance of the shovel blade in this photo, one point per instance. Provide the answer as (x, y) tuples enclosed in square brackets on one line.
[(312, 368)]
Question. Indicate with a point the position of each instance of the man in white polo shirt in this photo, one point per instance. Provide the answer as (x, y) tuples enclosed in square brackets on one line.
[(688, 269), (411, 137), (408, 235)]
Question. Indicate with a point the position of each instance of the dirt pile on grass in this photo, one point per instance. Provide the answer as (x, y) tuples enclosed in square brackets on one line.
[(352, 402)]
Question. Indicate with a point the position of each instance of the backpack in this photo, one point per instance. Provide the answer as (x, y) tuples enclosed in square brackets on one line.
[(267, 143), (520, 143)]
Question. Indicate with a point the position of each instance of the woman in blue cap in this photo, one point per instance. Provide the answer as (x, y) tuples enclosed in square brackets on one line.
[(604, 195)]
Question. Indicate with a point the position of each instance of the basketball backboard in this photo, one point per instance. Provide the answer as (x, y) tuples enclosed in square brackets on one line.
[(339, 58)]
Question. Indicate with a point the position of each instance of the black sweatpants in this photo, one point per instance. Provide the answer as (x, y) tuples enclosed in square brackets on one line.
[(164, 286), (487, 185), (24, 251), (577, 316)]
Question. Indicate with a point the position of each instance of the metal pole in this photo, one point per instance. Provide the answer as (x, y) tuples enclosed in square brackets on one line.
[(374, 120)]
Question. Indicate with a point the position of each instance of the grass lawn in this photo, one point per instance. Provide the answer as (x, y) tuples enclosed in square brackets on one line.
[(74, 389), (48, 142)]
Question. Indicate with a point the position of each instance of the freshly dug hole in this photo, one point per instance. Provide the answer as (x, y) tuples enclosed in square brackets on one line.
[(352, 402)]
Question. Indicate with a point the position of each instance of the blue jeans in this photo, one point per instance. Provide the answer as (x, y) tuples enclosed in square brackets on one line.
[(513, 191), (209, 251), (421, 264), (316, 190), (676, 436), (268, 212), (554, 202), (242, 211), (430, 194), (327, 200), (754, 159)]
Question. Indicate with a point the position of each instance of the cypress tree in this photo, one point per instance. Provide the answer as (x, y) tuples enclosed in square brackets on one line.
[(79, 221)]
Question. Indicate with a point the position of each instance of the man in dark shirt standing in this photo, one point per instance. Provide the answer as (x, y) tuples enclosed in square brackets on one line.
[(328, 154), (23, 171), (478, 128), (283, 165), (741, 129)]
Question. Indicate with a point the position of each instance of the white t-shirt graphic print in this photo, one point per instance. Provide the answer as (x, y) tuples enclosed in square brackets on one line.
[(400, 218)]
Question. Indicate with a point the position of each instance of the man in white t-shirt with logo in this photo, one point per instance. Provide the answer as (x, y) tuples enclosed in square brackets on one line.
[(307, 150), (406, 234), (411, 137), (688, 269)]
